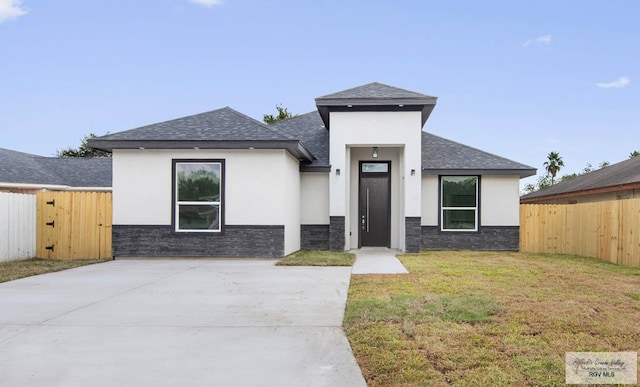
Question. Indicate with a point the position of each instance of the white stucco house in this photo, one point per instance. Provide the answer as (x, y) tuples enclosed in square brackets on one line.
[(358, 171)]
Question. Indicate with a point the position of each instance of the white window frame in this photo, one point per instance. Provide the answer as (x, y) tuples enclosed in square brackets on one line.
[(443, 208), (177, 203)]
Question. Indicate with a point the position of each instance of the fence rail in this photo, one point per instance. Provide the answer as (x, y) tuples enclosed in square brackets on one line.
[(609, 230), (74, 225), (17, 226)]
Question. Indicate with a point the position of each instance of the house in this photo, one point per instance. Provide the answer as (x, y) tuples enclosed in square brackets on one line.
[(359, 171), (28, 173), (614, 182)]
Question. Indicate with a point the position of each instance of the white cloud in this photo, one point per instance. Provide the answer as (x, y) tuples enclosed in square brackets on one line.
[(621, 82), (11, 9), (207, 3), (544, 39)]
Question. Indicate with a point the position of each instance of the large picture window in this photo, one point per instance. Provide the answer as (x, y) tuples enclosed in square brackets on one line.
[(459, 204), (198, 195)]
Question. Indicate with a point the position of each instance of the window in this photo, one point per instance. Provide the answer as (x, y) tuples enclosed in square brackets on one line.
[(459, 204), (198, 195), (375, 167)]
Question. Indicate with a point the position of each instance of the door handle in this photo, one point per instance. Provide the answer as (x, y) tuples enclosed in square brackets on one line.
[(367, 209)]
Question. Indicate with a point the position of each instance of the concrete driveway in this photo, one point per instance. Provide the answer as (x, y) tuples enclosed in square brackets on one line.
[(177, 323)]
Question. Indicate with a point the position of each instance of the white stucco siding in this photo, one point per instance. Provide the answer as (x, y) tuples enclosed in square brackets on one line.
[(259, 188), (500, 200), (314, 198), (291, 202), (256, 187), (141, 187), (430, 199), (394, 129)]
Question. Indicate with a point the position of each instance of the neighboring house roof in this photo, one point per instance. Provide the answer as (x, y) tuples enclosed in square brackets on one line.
[(310, 130), (222, 128), (373, 95), (25, 168), (616, 177), (442, 156)]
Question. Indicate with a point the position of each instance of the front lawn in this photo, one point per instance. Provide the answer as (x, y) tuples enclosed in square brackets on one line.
[(13, 270), (317, 258), (487, 318)]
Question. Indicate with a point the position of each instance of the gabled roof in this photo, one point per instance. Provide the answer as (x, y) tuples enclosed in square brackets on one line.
[(375, 96), (220, 129), (615, 177), (442, 156), (376, 91), (310, 130), (24, 168)]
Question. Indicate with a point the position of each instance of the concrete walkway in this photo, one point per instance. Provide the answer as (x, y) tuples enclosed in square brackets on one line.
[(177, 323), (377, 260)]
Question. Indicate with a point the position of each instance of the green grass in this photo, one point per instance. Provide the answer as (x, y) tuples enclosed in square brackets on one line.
[(317, 258), (486, 318), (13, 270)]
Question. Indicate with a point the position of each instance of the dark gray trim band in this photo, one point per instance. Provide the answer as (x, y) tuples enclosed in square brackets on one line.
[(493, 238), (160, 241)]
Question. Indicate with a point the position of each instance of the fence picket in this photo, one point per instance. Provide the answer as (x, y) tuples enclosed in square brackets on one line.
[(17, 226)]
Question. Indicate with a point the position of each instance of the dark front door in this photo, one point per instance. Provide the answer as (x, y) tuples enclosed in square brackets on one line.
[(375, 203)]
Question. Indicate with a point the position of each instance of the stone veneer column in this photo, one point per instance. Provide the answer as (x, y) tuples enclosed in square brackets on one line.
[(336, 233), (412, 234)]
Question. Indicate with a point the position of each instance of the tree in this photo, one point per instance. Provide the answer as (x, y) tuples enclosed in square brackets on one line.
[(541, 183), (283, 114), (553, 164), (83, 150), (634, 154), (604, 164)]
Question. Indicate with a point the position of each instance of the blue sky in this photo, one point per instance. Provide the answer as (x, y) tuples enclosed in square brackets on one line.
[(515, 78)]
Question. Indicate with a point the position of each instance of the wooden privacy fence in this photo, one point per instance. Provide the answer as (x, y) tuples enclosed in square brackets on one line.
[(17, 226), (607, 230), (74, 225)]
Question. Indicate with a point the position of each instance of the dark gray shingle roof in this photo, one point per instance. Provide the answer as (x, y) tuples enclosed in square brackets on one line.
[(310, 130), (18, 167), (440, 156), (375, 96), (217, 129), (375, 90), (622, 173), (223, 124)]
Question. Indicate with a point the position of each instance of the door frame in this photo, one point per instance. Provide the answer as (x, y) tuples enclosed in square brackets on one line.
[(376, 174)]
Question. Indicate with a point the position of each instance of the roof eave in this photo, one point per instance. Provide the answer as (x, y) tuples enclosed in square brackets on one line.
[(294, 147), (315, 168), (425, 105), (375, 101), (463, 172)]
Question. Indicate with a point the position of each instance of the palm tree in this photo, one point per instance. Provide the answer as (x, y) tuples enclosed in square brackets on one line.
[(634, 154), (553, 164)]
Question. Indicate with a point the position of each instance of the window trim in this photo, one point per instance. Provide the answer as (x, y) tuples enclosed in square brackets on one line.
[(442, 208), (174, 197)]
